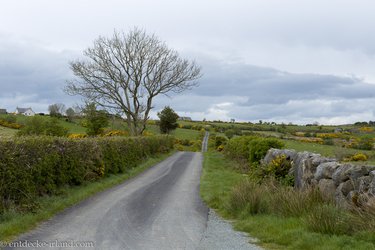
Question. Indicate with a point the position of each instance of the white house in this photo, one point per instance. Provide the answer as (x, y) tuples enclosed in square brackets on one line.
[(24, 111)]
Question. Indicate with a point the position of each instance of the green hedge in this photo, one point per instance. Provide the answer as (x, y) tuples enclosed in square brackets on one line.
[(250, 149), (37, 166)]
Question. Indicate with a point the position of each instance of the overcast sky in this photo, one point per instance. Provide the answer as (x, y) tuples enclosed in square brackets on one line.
[(273, 60)]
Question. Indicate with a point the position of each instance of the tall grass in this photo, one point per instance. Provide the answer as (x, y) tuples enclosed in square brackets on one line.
[(282, 217), (319, 213), (328, 219)]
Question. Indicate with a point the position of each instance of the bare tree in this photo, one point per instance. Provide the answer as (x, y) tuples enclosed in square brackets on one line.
[(124, 73), (56, 109)]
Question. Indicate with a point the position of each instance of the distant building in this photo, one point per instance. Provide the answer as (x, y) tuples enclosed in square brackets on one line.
[(3, 111), (184, 118), (24, 111)]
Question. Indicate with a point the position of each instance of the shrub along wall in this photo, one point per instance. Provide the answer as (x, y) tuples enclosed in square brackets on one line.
[(250, 149), (37, 166)]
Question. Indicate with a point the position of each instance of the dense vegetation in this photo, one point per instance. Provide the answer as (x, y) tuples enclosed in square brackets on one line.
[(38, 166)]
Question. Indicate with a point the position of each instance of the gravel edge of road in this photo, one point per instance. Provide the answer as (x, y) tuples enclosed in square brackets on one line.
[(220, 235)]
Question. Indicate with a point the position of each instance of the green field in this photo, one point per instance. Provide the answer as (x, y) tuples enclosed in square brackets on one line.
[(328, 150)]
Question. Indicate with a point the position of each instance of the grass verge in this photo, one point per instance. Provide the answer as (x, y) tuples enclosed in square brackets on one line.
[(14, 223), (284, 228)]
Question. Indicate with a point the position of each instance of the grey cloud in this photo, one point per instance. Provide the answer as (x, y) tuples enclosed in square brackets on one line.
[(267, 85), (32, 75)]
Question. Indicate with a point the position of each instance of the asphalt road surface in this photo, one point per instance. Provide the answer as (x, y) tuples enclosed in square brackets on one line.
[(159, 209)]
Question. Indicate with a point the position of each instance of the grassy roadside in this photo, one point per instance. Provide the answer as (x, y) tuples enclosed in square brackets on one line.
[(13, 223), (274, 232)]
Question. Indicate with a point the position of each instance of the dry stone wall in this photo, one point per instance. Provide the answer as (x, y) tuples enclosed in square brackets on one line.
[(347, 184)]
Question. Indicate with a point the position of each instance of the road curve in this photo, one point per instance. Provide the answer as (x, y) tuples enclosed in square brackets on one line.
[(159, 209)]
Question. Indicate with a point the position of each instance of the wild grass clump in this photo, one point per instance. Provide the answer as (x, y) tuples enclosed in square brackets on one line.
[(363, 218), (290, 202), (273, 198), (328, 219), (319, 213), (248, 198)]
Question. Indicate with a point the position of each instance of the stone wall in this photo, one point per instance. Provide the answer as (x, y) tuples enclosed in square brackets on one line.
[(346, 183)]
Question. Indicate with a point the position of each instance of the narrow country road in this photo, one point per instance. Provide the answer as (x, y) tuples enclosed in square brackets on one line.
[(159, 209)]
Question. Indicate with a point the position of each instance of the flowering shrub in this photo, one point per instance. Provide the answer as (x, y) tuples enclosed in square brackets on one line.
[(8, 124), (147, 133), (366, 129), (357, 157), (116, 133), (327, 135), (220, 148), (77, 136), (311, 140)]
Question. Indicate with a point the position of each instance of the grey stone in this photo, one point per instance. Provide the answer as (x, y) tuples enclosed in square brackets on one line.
[(371, 189), (364, 183), (341, 175), (340, 198), (346, 187), (355, 173), (305, 166), (327, 187), (325, 170)]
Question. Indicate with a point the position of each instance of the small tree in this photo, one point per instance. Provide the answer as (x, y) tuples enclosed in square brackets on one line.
[(97, 120), (56, 110), (70, 114), (168, 120)]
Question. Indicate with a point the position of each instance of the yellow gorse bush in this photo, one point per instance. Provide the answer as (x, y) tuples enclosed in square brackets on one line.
[(116, 133), (77, 136)]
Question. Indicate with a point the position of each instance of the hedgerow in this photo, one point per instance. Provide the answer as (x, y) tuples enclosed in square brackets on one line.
[(250, 149), (37, 166)]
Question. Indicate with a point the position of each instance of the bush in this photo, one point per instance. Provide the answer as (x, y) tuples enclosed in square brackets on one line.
[(77, 136), (238, 148), (40, 126), (359, 157), (34, 126), (116, 133), (220, 140), (10, 118), (279, 169), (9, 124), (35, 166), (259, 148), (366, 143)]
